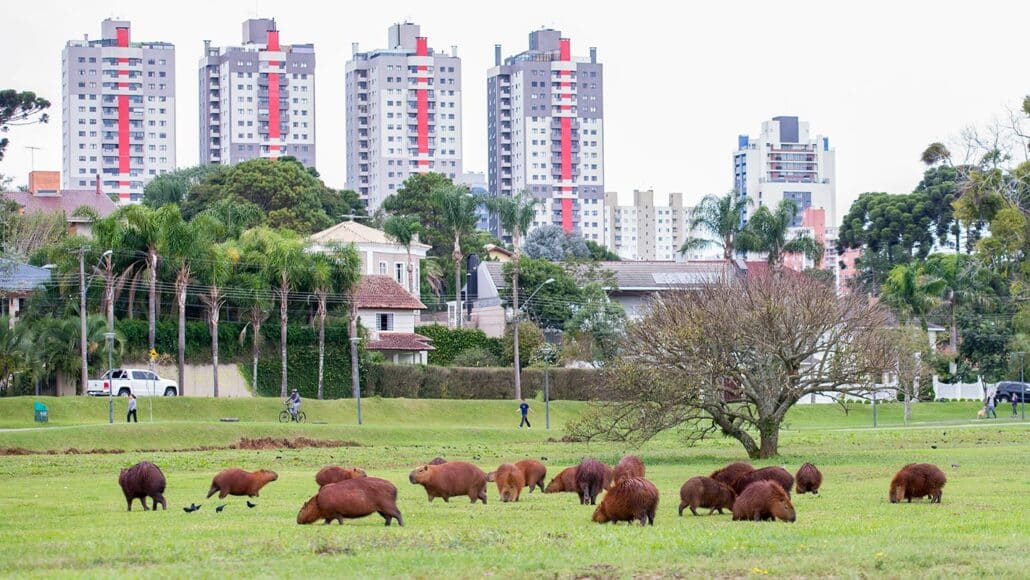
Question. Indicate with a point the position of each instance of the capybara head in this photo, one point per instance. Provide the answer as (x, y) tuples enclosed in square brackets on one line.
[(309, 512), (780, 506), (267, 474), (491, 476), (600, 515), (421, 474)]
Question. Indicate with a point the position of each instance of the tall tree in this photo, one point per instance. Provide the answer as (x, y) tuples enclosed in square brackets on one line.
[(286, 267), (252, 296), (143, 233), (516, 214), (180, 243), (19, 108), (458, 217), (912, 293), (335, 270), (767, 232), (404, 229), (57, 343), (174, 187), (720, 217), (216, 270), (416, 197)]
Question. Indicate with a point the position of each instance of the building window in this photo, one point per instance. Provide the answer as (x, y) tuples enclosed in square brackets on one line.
[(384, 321), (398, 271), (382, 268)]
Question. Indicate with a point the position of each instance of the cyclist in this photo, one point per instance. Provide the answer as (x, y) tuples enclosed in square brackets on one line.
[(294, 403)]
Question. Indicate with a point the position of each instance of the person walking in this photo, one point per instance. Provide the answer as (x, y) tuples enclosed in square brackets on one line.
[(1015, 404), (130, 417), (524, 408), (990, 407)]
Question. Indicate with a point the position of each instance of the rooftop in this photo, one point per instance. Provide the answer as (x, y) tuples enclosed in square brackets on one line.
[(384, 292), (66, 200), (21, 278), (353, 232), (407, 341)]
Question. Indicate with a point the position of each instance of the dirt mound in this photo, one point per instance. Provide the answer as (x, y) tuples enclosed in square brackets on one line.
[(283, 443)]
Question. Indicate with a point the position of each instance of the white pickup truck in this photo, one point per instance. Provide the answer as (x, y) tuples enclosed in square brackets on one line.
[(139, 382)]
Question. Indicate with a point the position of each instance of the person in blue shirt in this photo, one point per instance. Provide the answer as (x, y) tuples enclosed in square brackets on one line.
[(524, 408)]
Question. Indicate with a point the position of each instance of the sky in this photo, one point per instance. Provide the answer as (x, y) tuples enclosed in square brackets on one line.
[(880, 79)]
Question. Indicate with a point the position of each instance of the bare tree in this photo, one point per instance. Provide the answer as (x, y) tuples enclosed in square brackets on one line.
[(734, 357)]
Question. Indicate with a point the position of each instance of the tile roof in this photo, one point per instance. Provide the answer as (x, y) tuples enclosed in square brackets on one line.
[(379, 291), (400, 341), (351, 231), (21, 278), (66, 200), (648, 275)]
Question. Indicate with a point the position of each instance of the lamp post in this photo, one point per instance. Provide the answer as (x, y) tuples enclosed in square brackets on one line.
[(109, 340), (515, 337), (355, 381), (1022, 388)]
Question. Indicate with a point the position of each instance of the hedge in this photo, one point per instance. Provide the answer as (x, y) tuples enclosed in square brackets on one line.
[(450, 342), (435, 382)]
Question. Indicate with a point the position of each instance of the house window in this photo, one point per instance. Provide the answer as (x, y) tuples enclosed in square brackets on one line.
[(398, 271), (384, 321), (382, 268)]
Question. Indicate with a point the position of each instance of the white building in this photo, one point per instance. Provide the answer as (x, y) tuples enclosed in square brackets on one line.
[(786, 162), (645, 231), (389, 313)]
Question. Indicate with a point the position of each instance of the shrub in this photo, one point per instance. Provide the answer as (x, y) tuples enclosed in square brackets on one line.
[(434, 382), (449, 343), (477, 357)]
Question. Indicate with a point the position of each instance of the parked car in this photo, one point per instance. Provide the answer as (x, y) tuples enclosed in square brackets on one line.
[(139, 382), (1012, 390)]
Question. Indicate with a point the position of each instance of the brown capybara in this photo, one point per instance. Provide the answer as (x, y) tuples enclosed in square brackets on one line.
[(808, 479), (631, 498), (534, 472), (764, 500), (564, 481), (708, 493), (351, 499), (628, 466), (451, 479), (917, 480), (732, 472), (141, 481), (591, 479), (510, 482), (773, 473), (438, 461), (238, 482), (334, 474), (491, 475)]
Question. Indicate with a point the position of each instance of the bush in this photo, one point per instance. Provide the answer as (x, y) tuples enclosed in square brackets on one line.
[(477, 357), (449, 343), (434, 382)]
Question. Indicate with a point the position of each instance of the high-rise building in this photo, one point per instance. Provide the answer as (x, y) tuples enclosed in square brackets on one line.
[(257, 100), (545, 132), (785, 162), (645, 231), (118, 111), (403, 114), (476, 183)]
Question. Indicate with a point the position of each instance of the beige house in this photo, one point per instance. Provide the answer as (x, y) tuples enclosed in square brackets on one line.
[(380, 254), (389, 313)]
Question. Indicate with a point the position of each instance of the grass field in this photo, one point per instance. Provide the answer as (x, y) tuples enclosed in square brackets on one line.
[(64, 515)]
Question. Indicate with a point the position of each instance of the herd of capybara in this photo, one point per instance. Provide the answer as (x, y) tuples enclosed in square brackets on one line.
[(348, 493)]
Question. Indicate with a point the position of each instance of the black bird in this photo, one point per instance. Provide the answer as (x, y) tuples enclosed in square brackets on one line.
[(193, 507), (933, 447), (221, 507), (251, 505)]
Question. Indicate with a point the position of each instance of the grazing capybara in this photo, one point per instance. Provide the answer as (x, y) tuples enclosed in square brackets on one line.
[(706, 492), (451, 479), (628, 466), (351, 499), (510, 482), (438, 461), (564, 481), (764, 500), (773, 473), (732, 472), (335, 473), (808, 479), (917, 480), (238, 482), (141, 481), (534, 472), (631, 498), (591, 480)]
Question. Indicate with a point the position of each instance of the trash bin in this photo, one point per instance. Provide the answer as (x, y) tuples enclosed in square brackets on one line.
[(42, 413)]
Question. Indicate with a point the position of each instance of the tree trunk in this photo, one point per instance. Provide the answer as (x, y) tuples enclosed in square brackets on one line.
[(256, 351), (908, 404), (457, 282), (180, 299), (411, 269), (132, 294), (769, 433), (321, 341), (109, 293), (152, 265), (215, 308), (354, 381), (515, 306), (283, 295)]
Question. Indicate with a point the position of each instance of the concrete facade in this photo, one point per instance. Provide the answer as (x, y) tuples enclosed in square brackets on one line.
[(403, 114), (644, 230), (545, 131), (118, 111), (258, 99)]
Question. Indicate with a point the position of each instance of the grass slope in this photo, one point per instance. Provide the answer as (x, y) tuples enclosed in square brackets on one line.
[(64, 515)]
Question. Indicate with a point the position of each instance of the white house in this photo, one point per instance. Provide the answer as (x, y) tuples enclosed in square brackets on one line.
[(380, 254), (389, 312)]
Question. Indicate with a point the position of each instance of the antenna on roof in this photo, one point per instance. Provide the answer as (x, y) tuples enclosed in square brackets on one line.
[(32, 156)]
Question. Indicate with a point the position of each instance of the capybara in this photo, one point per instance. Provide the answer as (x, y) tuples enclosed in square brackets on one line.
[(732, 472), (628, 466), (591, 480), (706, 492), (141, 481), (764, 500), (451, 479), (773, 472), (510, 482), (238, 482), (564, 481), (350, 499), (808, 479), (438, 461), (491, 475), (917, 480), (631, 498), (534, 472), (335, 473)]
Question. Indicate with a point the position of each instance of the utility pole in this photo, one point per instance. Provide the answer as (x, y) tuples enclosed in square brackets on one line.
[(82, 315)]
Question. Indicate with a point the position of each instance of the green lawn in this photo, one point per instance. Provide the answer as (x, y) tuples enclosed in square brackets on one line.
[(65, 515)]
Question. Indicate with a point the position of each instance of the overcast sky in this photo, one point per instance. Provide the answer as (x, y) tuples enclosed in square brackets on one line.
[(881, 79)]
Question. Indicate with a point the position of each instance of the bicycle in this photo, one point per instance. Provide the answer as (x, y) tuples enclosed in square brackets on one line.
[(285, 416)]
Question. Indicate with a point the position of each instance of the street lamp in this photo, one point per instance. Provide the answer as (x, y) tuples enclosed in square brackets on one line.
[(109, 339), (515, 336), (355, 381)]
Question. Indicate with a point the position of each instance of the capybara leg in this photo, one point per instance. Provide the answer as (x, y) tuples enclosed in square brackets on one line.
[(541, 485), (339, 519), (130, 503), (212, 491), (223, 493), (143, 500), (643, 518), (160, 499), (650, 517), (682, 505)]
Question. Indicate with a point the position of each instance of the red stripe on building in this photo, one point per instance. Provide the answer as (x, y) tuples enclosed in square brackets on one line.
[(124, 157), (566, 214), (564, 49), (273, 40), (422, 102), (274, 117), (565, 55)]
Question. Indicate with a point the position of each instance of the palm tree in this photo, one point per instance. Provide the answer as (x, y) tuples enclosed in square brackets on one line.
[(286, 265), (216, 270), (767, 232), (404, 228), (107, 234), (911, 292), (337, 269), (15, 350), (252, 298), (458, 217), (57, 343), (143, 232), (432, 271), (719, 216), (516, 214)]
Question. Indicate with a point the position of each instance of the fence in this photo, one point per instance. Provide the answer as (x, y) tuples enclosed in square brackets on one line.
[(962, 391)]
